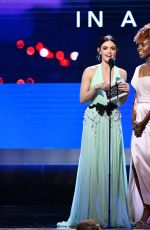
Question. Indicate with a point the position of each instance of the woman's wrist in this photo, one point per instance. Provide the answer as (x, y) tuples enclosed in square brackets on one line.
[(94, 89), (146, 119), (143, 123), (133, 124), (133, 121)]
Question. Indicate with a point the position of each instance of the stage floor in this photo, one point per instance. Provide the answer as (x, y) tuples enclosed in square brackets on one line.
[(21, 219), (61, 229)]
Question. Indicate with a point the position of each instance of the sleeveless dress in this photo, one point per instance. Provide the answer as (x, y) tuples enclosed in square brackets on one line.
[(91, 191), (140, 148)]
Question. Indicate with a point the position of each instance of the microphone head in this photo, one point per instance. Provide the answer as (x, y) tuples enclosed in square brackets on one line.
[(111, 62), (117, 78)]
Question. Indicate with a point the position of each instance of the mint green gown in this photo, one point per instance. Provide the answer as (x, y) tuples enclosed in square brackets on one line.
[(91, 197)]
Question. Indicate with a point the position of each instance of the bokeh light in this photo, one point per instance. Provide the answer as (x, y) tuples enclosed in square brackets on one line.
[(60, 55), (1, 80), (43, 52), (39, 46), (74, 55), (30, 51), (64, 63), (20, 81), (30, 80), (50, 55), (20, 44)]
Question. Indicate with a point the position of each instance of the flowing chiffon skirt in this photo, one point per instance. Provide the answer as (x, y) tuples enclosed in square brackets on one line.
[(91, 194)]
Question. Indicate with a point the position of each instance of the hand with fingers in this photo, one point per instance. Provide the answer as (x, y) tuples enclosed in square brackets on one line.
[(124, 86)]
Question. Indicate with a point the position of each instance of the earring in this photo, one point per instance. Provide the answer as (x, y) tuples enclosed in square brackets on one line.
[(98, 56)]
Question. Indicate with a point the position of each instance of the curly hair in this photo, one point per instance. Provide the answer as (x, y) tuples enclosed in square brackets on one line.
[(142, 34)]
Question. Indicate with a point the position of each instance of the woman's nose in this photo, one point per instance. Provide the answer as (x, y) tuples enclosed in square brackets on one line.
[(139, 47)]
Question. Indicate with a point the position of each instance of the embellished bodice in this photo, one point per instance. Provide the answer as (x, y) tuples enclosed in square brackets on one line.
[(100, 96), (94, 115)]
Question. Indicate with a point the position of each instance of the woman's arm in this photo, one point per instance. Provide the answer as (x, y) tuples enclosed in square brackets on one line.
[(85, 92), (147, 118), (140, 126), (134, 112)]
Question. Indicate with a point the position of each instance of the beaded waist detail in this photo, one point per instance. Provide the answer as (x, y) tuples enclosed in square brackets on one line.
[(101, 109)]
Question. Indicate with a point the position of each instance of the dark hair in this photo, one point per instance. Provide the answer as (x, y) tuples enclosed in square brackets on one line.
[(107, 38)]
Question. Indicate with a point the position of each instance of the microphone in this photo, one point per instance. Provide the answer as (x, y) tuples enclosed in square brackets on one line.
[(111, 63), (118, 80)]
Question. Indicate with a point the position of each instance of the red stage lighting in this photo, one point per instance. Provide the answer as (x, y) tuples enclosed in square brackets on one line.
[(30, 50), (20, 44), (30, 80), (1, 80), (20, 81), (39, 46), (60, 55), (50, 55), (64, 63)]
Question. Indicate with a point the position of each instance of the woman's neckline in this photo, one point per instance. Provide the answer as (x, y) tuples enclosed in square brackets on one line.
[(113, 77), (144, 76)]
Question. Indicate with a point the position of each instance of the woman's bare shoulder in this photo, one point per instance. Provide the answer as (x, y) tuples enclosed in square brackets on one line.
[(91, 68), (90, 71), (123, 73)]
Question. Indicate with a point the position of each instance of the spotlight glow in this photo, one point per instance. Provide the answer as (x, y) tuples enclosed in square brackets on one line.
[(74, 55), (43, 52)]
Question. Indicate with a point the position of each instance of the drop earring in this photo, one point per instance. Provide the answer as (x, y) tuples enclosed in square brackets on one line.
[(98, 56)]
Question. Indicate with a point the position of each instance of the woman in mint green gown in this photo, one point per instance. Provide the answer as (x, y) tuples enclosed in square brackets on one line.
[(91, 196)]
